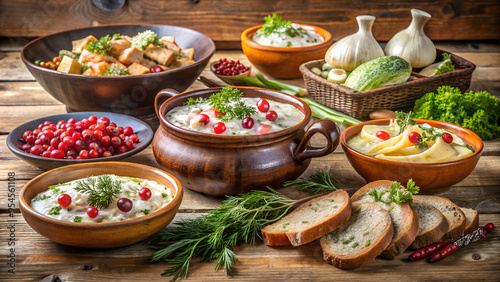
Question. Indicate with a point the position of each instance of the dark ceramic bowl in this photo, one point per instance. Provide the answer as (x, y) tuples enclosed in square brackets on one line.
[(143, 131), (430, 177), (132, 95)]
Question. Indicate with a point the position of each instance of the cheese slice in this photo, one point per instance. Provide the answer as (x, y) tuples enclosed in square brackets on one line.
[(439, 152)]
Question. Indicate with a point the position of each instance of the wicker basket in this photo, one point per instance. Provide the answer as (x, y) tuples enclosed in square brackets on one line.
[(400, 96)]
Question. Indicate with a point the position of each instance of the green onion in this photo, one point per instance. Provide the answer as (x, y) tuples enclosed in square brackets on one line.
[(323, 112)]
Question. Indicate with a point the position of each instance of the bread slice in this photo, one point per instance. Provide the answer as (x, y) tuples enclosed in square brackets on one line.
[(432, 224), (310, 220), (454, 216), (471, 219), (404, 218), (361, 239)]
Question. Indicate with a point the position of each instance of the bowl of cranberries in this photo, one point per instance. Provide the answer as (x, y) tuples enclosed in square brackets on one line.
[(230, 71), (72, 138)]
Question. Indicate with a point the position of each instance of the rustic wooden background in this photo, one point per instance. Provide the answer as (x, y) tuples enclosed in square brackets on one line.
[(224, 20)]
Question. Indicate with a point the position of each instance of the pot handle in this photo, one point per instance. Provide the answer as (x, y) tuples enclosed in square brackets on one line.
[(162, 96), (327, 128)]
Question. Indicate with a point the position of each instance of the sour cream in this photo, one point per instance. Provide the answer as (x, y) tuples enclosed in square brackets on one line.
[(46, 202), (187, 117), (280, 39)]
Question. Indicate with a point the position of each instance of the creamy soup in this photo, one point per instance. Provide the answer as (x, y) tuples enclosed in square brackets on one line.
[(189, 117), (417, 144), (63, 202), (281, 39)]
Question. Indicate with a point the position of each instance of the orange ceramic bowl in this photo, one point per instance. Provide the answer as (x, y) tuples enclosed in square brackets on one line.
[(99, 235), (283, 62), (430, 177)]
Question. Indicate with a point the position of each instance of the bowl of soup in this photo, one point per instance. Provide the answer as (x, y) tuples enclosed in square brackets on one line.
[(377, 150), (242, 157)]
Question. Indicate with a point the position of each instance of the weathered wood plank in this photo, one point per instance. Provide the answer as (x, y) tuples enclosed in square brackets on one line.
[(225, 20), (12, 68), (38, 257)]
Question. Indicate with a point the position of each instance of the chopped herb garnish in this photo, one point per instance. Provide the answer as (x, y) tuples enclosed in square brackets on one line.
[(37, 62), (55, 210), (164, 195), (428, 134), (100, 47), (396, 194), (275, 24), (101, 190), (355, 244), (115, 70), (41, 198), (368, 243), (192, 101), (346, 241), (77, 219), (470, 148), (85, 67), (145, 211), (56, 190)]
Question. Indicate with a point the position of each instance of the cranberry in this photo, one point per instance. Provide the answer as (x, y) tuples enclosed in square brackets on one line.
[(271, 116), (87, 134), (489, 227), (94, 146), (25, 147), (128, 144), (62, 146), (112, 131), (414, 137), (204, 118), (447, 137), (122, 149), (106, 140), (116, 141), (247, 123), (145, 193), (93, 154), (156, 68), (57, 154), (72, 120), (46, 154), (98, 134), (64, 200), (104, 120), (219, 128), (84, 154), (134, 138), (124, 204), (71, 153), (263, 128), (77, 136), (107, 154), (92, 212), (263, 105), (128, 131), (70, 131), (92, 119), (49, 134), (79, 145), (383, 135), (229, 67), (68, 140), (36, 150)]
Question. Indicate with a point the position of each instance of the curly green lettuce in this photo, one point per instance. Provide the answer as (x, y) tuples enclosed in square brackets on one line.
[(477, 111)]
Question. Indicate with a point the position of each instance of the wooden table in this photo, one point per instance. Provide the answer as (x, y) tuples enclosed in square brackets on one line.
[(22, 99)]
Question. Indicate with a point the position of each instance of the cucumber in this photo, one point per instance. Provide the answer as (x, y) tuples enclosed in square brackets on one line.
[(379, 72)]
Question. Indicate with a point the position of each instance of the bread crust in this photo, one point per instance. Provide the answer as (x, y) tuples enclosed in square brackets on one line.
[(370, 253), (321, 228), (471, 223), (431, 235), (403, 239), (454, 231)]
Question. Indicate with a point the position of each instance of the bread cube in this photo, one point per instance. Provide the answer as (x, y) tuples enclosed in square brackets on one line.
[(170, 39), (148, 63), (68, 65), (137, 68), (170, 45), (188, 53), (88, 56), (118, 46), (130, 56), (159, 54), (181, 63), (79, 45)]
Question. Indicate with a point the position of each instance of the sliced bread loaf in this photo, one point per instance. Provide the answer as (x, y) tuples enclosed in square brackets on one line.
[(454, 216), (310, 220), (404, 218), (361, 239), (432, 224), (471, 219)]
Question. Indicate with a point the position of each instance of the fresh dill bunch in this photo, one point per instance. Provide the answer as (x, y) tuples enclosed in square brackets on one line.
[(404, 120), (101, 190), (397, 194), (318, 182), (229, 102), (213, 235)]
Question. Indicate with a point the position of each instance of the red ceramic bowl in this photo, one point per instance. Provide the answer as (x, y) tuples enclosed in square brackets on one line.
[(283, 62), (430, 177)]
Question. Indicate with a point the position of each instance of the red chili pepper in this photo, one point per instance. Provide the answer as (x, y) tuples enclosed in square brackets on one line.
[(427, 251)]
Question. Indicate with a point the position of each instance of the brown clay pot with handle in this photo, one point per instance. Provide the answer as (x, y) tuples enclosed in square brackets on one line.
[(230, 165)]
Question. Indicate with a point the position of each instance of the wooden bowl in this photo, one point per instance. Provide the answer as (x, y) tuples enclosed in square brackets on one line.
[(133, 94), (143, 131), (99, 235), (283, 62), (228, 165), (430, 177), (231, 79)]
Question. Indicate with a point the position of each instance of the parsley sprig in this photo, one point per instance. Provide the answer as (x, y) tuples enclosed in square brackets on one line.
[(103, 45), (101, 190), (404, 120), (318, 182), (397, 194), (229, 102), (275, 24)]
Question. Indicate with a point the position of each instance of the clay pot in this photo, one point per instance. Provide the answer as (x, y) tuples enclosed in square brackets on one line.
[(229, 165)]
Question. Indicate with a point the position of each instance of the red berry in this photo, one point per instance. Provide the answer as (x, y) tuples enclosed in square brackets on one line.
[(107, 154), (77, 136), (84, 154), (247, 122), (64, 200), (128, 131), (49, 134), (98, 134), (414, 137), (204, 118), (93, 154), (72, 120), (36, 150), (145, 193), (92, 119), (106, 140), (219, 128), (116, 141), (62, 146), (112, 131), (122, 149), (92, 212), (70, 131), (271, 116), (155, 69), (263, 128), (383, 135), (69, 141), (57, 154), (46, 154), (128, 144), (102, 126), (447, 137), (71, 153), (489, 227), (134, 138), (263, 105), (124, 204), (25, 147)]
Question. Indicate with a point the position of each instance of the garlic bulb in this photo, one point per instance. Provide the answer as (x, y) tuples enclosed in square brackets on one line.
[(412, 44), (355, 49)]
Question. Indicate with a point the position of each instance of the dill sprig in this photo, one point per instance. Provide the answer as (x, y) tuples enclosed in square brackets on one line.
[(397, 194), (228, 101), (101, 190), (318, 182), (213, 235)]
